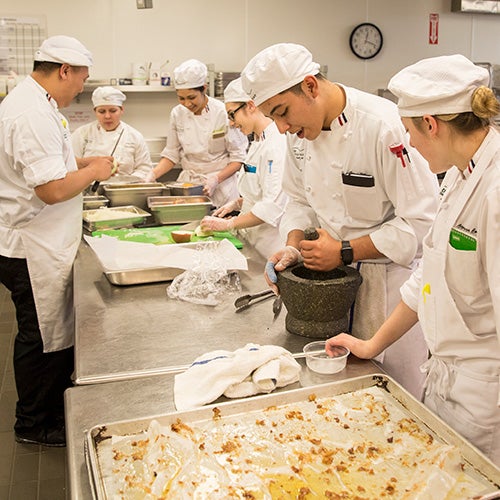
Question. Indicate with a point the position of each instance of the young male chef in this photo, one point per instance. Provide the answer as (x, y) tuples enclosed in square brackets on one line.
[(40, 230), (350, 172)]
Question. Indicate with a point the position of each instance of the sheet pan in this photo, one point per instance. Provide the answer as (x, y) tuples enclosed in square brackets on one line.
[(476, 464)]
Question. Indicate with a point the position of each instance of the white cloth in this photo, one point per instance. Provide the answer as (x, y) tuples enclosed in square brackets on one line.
[(132, 153), (191, 74), (234, 92), (437, 85), (457, 293), (259, 183), (35, 148), (108, 96), (204, 144), (64, 49), (397, 211), (275, 69), (247, 371)]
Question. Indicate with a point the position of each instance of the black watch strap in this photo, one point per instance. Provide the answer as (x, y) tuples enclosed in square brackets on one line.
[(346, 253)]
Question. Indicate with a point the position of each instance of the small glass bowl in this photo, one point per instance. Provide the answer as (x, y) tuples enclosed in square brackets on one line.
[(319, 361)]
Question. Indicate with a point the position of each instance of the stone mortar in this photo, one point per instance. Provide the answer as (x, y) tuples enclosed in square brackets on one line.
[(317, 302)]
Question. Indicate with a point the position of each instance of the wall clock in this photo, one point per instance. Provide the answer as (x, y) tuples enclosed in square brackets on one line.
[(366, 40)]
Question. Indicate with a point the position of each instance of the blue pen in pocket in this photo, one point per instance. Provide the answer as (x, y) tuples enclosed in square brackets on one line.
[(270, 165)]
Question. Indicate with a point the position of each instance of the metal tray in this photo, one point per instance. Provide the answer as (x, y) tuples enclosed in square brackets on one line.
[(179, 209), (476, 465), (137, 216), (91, 202), (142, 276), (133, 193), (184, 189)]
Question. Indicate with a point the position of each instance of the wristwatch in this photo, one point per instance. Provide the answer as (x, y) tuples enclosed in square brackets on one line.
[(346, 253)]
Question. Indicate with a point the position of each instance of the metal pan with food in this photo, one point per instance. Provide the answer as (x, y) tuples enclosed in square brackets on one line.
[(113, 217), (179, 209)]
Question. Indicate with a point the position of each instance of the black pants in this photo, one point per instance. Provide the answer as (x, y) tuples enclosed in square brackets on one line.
[(41, 378)]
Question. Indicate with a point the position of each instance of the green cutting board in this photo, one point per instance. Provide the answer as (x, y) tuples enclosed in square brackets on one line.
[(161, 235)]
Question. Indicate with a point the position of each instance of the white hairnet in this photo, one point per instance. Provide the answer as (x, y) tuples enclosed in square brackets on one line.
[(234, 92), (107, 96), (64, 49), (437, 86), (190, 74), (276, 69)]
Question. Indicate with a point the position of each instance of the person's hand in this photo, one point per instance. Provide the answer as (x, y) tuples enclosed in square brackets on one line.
[(102, 167), (231, 206), (216, 224), (322, 254), (360, 348), (211, 183), (282, 259), (150, 177)]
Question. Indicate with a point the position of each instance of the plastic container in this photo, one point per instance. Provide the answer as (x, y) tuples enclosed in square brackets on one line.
[(319, 361)]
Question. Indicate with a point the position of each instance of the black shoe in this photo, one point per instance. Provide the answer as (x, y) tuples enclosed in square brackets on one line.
[(55, 437)]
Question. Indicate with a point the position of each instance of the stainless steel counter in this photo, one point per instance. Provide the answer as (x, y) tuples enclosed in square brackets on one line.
[(137, 331), (91, 405)]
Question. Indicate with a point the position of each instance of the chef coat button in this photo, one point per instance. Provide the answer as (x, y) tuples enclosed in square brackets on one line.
[(308, 158), (308, 189)]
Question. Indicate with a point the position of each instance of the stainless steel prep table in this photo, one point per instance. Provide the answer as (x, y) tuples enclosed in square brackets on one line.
[(87, 406), (137, 331)]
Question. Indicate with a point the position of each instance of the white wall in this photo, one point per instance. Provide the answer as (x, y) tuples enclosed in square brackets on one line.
[(228, 32)]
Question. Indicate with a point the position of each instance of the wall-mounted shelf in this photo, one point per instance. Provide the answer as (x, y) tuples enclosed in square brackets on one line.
[(90, 87)]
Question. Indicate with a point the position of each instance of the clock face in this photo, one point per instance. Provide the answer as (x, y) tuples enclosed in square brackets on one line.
[(366, 40)]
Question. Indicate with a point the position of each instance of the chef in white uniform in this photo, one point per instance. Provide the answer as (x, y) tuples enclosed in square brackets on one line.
[(262, 201), (351, 173), (109, 134), (199, 137), (447, 108), (40, 230)]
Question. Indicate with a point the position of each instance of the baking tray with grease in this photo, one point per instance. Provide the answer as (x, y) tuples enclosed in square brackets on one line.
[(364, 437)]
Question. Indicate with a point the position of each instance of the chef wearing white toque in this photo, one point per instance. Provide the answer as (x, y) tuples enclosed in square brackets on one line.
[(447, 109), (262, 201), (109, 134), (200, 139), (343, 177), (40, 231)]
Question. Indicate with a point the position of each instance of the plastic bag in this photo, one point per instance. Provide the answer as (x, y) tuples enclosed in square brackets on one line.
[(209, 280)]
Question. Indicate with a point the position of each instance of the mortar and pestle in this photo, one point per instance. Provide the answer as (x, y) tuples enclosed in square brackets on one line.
[(318, 302)]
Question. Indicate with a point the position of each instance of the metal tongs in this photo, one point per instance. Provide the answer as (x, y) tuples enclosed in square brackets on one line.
[(247, 300)]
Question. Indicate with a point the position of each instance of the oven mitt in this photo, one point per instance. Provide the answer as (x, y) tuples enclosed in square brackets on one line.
[(250, 370)]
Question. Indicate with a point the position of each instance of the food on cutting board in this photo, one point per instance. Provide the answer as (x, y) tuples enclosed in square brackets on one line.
[(181, 236), (202, 234)]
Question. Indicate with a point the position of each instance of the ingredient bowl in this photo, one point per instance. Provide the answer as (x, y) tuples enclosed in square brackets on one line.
[(319, 361)]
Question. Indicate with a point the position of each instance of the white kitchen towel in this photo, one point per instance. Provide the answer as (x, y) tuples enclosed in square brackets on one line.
[(250, 370)]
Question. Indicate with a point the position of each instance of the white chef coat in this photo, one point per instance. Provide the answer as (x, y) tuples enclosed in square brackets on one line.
[(35, 148), (457, 294), (204, 144), (131, 153), (396, 211), (259, 183)]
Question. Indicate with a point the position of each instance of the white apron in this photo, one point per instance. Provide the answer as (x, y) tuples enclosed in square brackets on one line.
[(51, 240), (463, 392)]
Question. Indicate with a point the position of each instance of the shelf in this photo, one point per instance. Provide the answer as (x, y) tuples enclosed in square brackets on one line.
[(130, 88)]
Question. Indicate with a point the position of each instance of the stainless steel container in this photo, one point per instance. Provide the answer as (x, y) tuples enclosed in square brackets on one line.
[(90, 202), (179, 209), (133, 194), (129, 216), (184, 189)]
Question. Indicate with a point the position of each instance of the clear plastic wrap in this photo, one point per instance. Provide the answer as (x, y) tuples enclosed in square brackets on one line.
[(208, 282)]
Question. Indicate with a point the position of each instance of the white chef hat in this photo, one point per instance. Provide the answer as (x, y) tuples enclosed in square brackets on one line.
[(275, 69), (234, 92), (64, 49), (107, 96), (190, 74), (437, 86)]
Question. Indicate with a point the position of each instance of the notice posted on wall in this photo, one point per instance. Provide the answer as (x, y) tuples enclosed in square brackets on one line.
[(19, 38)]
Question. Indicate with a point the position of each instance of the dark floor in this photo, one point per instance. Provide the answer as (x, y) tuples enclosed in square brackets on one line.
[(27, 472)]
